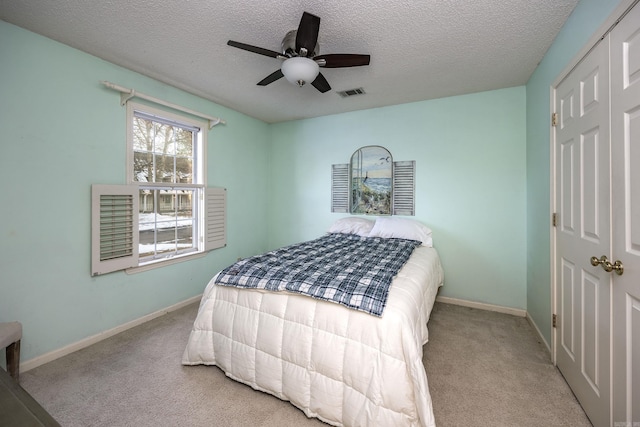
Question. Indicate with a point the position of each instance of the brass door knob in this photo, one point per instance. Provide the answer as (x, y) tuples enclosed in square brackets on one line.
[(607, 265), (618, 267)]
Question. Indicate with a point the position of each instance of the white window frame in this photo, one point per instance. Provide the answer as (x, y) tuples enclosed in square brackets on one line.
[(199, 180)]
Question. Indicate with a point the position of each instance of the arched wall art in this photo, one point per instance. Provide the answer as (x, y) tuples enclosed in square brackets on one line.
[(373, 184)]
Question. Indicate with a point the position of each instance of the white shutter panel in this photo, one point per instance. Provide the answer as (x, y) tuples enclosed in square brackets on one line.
[(404, 187), (114, 228), (216, 218), (340, 188)]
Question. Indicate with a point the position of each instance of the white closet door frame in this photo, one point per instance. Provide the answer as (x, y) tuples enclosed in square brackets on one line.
[(610, 22), (625, 143), (583, 230)]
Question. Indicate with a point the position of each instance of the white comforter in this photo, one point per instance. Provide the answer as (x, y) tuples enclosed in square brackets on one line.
[(342, 366)]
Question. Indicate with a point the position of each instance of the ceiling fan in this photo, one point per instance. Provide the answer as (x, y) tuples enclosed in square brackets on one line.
[(301, 62)]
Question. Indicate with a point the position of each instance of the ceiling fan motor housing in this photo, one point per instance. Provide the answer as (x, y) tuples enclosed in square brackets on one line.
[(289, 46)]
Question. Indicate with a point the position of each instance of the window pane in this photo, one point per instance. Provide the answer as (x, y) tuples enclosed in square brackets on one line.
[(162, 152), (184, 170), (164, 139), (184, 143), (166, 222), (142, 134), (146, 203), (165, 169), (146, 222), (142, 166), (184, 203)]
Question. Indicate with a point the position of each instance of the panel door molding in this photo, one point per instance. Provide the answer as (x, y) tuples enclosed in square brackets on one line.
[(625, 144), (583, 230)]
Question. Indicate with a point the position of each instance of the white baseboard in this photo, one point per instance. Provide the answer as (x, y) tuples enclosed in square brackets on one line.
[(535, 327), (482, 306), (86, 342)]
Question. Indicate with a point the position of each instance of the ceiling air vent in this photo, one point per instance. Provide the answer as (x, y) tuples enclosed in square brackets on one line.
[(351, 92)]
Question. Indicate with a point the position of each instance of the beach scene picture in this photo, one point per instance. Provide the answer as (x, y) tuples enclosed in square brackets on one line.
[(371, 181)]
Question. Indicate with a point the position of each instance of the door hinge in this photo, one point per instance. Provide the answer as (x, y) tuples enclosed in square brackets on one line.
[(554, 219), (554, 320), (554, 119)]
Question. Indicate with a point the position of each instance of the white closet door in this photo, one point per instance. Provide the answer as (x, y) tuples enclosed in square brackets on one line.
[(583, 206), (625, 140)]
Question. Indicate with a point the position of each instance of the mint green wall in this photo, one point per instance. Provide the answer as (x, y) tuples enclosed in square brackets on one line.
[(583, 22), (470, 182), (60, 132)]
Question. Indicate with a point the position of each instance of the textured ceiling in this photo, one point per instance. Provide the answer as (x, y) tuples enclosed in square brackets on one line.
[(420, 49)]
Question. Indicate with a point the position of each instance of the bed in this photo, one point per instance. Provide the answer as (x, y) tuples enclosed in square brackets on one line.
[(342, 365)]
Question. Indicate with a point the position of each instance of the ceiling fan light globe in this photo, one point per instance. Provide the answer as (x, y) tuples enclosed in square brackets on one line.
[(300, 70)]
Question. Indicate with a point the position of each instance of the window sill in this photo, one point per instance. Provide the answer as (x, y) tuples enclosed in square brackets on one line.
[(164, 262)]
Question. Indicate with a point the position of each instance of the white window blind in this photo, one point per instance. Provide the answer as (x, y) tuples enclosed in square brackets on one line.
[(216, 207), (404, 187), (114, 225), (340, 188)]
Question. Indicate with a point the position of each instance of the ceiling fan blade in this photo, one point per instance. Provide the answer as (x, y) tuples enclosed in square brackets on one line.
[(271, 78), (255, 49), (321, 83), (340, 60), (307, 35)]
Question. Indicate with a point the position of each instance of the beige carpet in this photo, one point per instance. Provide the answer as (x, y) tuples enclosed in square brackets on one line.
[(484, 369), (489, 369)]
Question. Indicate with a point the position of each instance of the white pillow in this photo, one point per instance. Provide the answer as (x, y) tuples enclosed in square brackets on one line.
[(402, 228), (352, 225)]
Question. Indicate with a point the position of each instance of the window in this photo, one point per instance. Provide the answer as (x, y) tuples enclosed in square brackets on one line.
[(174, 214), (166, 160)]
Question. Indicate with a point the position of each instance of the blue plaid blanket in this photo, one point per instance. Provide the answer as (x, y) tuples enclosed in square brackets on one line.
[(347, 269)]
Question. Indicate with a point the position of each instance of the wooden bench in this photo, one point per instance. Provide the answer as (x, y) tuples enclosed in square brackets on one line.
[(10, 336)]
